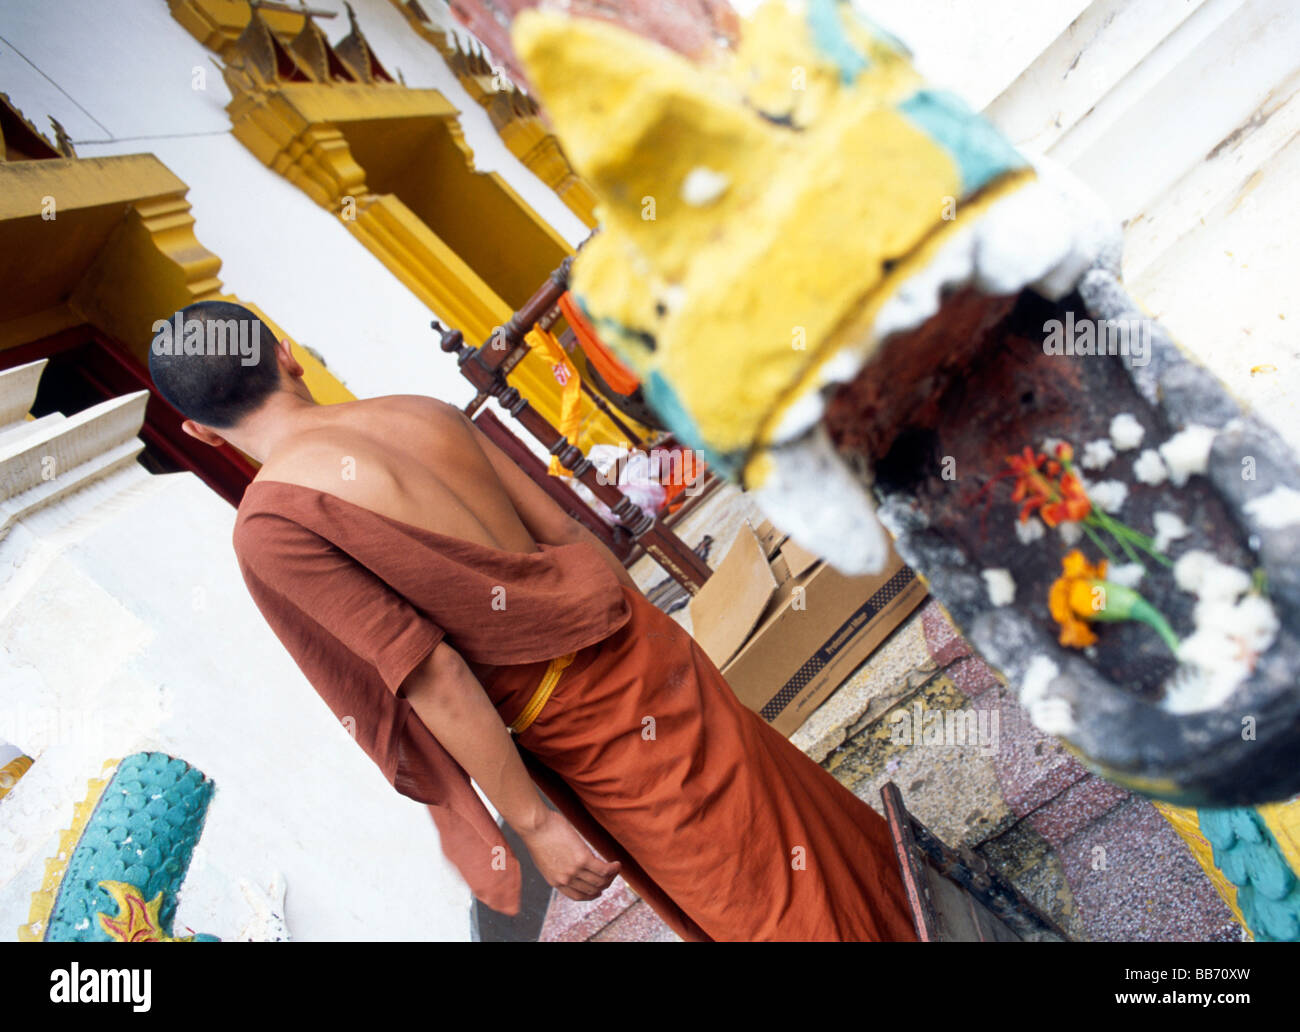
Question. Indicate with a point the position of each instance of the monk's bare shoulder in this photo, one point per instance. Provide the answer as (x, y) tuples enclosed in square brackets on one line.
[(376, 450), (413, 458), (419, 406), (420, 403), (380, 429)]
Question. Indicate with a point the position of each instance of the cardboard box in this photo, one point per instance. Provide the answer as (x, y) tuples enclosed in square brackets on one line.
[(786, 629)]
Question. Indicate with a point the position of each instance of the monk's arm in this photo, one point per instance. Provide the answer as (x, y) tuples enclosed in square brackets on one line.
[(453, 705), (450, 701), (545, 520)]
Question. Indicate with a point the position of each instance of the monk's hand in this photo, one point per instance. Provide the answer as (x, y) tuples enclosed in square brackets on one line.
[(565, 860)]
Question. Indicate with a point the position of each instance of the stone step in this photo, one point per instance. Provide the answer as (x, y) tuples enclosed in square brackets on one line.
[(18, 391), (47, 459)]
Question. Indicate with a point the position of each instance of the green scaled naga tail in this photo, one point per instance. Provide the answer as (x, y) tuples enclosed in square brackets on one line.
[(1268, 891), (120, 865)]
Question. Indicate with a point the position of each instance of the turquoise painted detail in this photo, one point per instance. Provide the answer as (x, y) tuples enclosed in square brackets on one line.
[(659, 395), (980, 151), (1268, 891), (663, 399), (830, 38), (142, 831)]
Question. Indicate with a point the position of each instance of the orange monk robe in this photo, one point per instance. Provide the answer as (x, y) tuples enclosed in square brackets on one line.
[(725, 828)]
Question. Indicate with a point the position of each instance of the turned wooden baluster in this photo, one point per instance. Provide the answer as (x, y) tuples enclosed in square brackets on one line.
[(483, 367)]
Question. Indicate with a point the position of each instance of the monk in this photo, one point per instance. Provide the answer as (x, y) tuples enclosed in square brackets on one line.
[(469, 631)]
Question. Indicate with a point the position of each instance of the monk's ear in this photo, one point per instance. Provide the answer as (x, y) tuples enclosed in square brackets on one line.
[(203, 433), (284, 356)]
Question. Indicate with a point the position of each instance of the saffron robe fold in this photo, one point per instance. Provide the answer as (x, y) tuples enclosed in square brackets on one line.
[(725, 828)]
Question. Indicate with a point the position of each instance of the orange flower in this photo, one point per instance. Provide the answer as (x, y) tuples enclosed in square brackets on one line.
[(1031, 486), (1071, 600), (1072, 505), (1037, 487)]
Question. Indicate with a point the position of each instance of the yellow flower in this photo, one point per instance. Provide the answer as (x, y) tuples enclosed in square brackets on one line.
[(1073, 599)]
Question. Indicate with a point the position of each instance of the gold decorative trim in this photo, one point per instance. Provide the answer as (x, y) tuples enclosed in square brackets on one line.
[(137, 919), (295, 115), (357, 52), (56, 867), (433, 271), (514, 114), (321, 59), (1186, 823), (539, 698), (150, 263), (218, 23)]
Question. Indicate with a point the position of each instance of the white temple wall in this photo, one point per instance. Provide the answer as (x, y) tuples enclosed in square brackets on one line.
[(125, 628)]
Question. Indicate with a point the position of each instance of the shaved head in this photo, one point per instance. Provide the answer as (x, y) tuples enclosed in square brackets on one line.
[(214, 361)]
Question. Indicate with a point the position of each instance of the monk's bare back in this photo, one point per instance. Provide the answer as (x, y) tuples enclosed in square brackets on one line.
[(413, 459)]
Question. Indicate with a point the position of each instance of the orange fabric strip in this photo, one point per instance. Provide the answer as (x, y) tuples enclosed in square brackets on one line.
[(615, 373)]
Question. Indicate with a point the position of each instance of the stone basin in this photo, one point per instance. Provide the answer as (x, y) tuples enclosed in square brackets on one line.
[(836, 282), (970, 386)]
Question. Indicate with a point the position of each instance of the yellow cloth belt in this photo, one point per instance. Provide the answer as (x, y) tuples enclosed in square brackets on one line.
[(549, 680)]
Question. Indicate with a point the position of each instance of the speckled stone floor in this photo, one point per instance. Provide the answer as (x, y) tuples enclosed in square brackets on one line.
[(1102, 862)]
